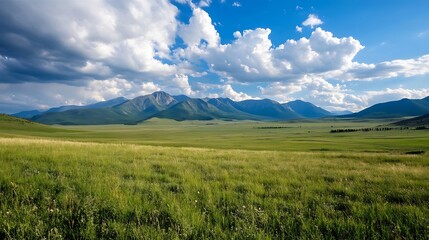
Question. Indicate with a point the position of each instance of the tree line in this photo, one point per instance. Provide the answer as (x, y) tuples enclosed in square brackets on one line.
[(343, 130)]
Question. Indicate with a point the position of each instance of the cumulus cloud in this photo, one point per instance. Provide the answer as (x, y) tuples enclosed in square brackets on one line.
[(282, 92), (200, 30), (246, 59), (133, 36), (298, 28), (390, 94), (253, 58), (389, 69), (95, 68), (180, 85), (318, 91), (312, 21), (229, 92), (220, 90), (236, 4)]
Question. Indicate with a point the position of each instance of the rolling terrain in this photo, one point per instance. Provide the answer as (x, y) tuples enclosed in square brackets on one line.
[(23, 126), (168, 176), (414, 122), (212, 179)]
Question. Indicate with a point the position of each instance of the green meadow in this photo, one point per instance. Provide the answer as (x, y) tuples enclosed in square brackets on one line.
[(213, 179)]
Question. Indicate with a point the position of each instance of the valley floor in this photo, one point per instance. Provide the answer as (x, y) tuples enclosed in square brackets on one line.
[(197, 180)]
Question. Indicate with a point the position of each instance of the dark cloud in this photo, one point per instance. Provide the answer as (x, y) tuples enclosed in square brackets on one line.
[(53, 41)]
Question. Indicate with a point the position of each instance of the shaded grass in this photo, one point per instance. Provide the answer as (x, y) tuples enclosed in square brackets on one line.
[(58, 189)]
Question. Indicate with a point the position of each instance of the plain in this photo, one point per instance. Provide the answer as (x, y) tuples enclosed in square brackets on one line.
[(194, 180)]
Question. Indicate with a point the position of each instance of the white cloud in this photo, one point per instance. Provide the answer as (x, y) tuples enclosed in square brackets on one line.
[(101, 90), (253, 58), (312, 21), (279, 91), (199, 29), (298, 28), (236, 4), (391, 94), (97, 68), (205, 3), (246, 59), (315, 90), (321, 53), (335, 96), (180, 85), (390, 69), (32, 95), (220, 90), (229, 92), (131, 35), (323, 93)]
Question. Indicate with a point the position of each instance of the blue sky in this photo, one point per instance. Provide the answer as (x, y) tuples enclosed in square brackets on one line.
[(336, 54)]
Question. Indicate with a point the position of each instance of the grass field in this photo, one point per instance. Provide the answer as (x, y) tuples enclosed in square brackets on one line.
[(197, 180)]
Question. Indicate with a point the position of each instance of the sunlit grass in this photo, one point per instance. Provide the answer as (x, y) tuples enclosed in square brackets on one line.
[(62, 189)]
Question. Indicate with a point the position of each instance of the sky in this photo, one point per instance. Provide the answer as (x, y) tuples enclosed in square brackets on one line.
[(340, 55)]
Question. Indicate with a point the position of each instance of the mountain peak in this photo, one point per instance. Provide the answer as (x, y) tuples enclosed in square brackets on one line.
[(163, 98), (160, 93), (298, 101), (307, 109)]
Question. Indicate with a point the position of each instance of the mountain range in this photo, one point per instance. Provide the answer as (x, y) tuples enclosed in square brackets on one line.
[(181, 107), (394, 109)]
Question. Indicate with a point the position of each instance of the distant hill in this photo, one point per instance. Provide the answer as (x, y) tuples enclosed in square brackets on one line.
[(32, 113), (96, 116), (401, 108), (414, 122), (8, 122), (307, 110), (28, 114), (344, 112)]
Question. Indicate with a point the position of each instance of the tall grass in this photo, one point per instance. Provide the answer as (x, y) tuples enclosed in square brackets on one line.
[(67, 190)]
